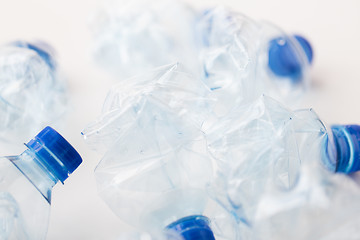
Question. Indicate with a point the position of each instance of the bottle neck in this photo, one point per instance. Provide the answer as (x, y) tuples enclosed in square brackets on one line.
[(37, 173), (195, 227), (347, 141)]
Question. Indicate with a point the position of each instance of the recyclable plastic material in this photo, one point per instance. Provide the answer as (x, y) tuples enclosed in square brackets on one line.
[(243, 59), (156, 170), (26, 183), (264, 144), (237, 58), (138, 36), (31, 93), (320, 205)]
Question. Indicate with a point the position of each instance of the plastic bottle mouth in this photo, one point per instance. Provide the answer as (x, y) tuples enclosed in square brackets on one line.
[(347, 141), (284, 59), (55, 153), (195, 227)]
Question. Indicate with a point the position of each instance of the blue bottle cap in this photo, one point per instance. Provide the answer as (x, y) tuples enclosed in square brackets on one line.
[(44, 54), (194, 227), (306, 46), (283, 59), (347, 140), (55, 153)]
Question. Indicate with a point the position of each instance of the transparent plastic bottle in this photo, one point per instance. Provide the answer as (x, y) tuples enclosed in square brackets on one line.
[(26, 182), (44, 50), (264, 144), (243, 59), (32, 95), (320, 205), (168, 91), (135, 36), (156, 171), (238, 58)]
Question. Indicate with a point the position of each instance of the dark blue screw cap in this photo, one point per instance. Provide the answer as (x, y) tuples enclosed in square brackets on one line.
[(283, 58), (347, 140), (194, 227), (55, 153), (46, 56)]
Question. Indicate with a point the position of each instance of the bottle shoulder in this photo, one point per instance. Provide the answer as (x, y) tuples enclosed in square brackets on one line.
[(15, 177), (25, 209)]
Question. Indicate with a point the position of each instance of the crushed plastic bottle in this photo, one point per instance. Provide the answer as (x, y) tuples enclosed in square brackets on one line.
[(168, 92), (321, 205), (137, 36), (238, 58), (264, 143), (26, 182), (31, 93), (243, 59), (156, 170)]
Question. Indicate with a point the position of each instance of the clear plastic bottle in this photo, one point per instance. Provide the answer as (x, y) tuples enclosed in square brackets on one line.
[(168, 91), (320, 205), (243, 59), (136, 36), (26, 182), (238, 58), (264, 144), (156, 171), (31, 93)]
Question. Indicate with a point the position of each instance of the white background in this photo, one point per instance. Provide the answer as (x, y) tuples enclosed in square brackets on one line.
[(333, 28)]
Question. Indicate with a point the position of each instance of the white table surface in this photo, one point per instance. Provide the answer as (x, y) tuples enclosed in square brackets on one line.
[(333, 28)]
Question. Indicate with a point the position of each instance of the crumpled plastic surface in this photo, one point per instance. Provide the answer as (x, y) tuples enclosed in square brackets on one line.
[(31, 94), (156, 169), (321, 205), (235, 59), (263, 163), (167, 95), (264, 148), (228, 50), (137, 36)]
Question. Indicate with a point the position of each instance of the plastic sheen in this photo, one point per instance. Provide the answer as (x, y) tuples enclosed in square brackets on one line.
[(283, 59), (55, 153), (347, 140), (41, 52), (194, 227)]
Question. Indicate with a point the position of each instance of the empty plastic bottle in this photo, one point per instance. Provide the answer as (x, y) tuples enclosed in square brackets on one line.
[(320, 205), (243, 59), (156, 170), (44, 50), (137, 36), (264, 144), (238, 58), (26, 182), (31, 93), (168, 92)]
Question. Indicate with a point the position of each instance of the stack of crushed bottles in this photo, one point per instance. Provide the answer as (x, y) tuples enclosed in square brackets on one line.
[(198, 144), (206, 147), (32, 95)]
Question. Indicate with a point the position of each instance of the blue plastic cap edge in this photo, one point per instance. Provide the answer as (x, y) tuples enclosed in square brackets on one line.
[(47, 57), (347, 139), (195, 227), (306, 46), (283, 60), (55, 153)]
